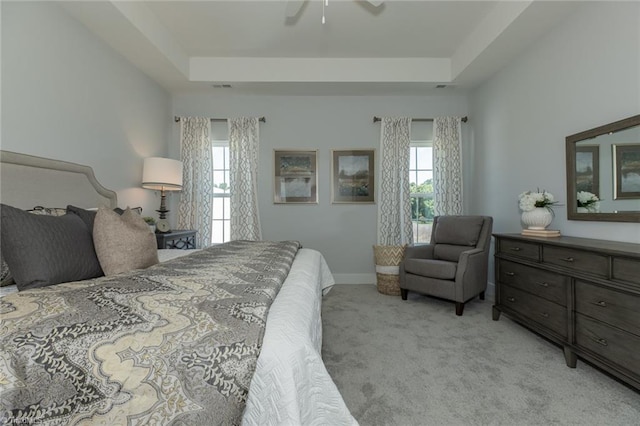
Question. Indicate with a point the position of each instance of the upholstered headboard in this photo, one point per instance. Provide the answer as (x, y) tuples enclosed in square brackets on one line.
[(27, 181)]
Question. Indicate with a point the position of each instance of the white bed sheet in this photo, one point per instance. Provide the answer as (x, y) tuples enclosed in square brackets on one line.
[(168, 254), (291, 385)]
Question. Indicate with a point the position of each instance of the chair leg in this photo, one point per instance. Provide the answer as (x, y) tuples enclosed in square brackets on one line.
[(459, 308), (482, 295), (403, 293)]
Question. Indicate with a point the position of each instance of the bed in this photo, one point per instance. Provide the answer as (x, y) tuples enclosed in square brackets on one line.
[(225, 335)]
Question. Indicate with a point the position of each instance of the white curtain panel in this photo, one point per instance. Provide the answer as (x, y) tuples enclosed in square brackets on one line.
[(195, 209), (394, 205), (447, 166), (243, 157)]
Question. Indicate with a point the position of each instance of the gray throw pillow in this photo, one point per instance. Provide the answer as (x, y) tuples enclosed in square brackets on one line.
[(123, 242), (43, 250), (89, 216)]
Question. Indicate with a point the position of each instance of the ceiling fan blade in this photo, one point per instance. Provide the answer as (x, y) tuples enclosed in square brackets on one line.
[(293, 7)]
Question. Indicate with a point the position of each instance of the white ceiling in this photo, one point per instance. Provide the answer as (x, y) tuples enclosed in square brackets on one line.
[(399, 47)]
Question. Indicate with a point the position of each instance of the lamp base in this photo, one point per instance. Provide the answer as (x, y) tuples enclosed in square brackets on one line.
[(162, 226), (163, 206)]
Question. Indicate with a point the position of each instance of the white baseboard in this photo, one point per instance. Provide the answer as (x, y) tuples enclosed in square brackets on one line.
[(355, 278)]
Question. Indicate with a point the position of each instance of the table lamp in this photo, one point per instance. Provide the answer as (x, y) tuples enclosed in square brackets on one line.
[(162, 174)]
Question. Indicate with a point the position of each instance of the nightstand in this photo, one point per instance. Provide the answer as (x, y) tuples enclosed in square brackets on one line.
[(177, 239)]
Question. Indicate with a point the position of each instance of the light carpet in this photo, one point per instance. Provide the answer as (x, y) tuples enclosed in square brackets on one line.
[(415, 362)]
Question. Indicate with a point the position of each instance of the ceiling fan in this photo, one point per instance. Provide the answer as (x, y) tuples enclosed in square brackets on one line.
[(294, 8)]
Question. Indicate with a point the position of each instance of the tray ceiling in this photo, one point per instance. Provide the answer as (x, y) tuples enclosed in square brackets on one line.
[(400, 47)]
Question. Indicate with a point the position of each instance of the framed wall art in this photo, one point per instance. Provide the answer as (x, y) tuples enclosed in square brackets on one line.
[(588, 169), (353, 176), (626, 171), (295, 176)]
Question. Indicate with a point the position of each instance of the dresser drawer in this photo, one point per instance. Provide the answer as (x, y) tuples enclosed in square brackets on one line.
[(619, 309), (539, 310), (612, 344), (548, 285), (521, 249), (577, 260), (626, 270)]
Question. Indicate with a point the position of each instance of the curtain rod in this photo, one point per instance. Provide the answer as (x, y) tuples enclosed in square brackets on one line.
[(177, 119), (376, 119)]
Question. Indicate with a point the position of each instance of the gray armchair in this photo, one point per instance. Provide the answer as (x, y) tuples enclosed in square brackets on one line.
[(454, 265)]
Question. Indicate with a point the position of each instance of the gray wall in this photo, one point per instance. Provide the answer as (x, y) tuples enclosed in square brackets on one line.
[(67, 95), (344, 233), (584, 74)]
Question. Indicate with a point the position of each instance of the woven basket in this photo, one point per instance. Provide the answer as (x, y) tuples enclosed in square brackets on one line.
[(388, 260)]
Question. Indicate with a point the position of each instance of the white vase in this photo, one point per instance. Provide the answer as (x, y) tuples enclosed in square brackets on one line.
[(538, 218)]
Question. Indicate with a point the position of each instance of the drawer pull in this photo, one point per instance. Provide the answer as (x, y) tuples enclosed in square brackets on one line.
[(543, 284), (568, 259), (511, 299), (601, 303), (510, 274), (515, 248), (602, 342), (544, 315)]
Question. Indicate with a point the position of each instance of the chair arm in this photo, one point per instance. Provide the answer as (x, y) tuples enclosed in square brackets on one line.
[(464, 256), (420, 251), (471, 275)]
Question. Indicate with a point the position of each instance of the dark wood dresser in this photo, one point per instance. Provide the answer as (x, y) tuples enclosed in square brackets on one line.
[(580, 293)]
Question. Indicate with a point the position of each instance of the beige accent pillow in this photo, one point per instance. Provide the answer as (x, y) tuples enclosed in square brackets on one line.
[(123, 242)]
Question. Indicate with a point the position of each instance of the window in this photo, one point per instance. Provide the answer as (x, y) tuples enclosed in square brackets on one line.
[(221, 223), (421, 188)]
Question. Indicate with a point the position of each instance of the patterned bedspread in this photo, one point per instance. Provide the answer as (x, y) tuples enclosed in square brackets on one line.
[(173, 344)]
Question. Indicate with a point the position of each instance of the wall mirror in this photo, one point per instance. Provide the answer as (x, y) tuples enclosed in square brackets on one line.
[(605, 163)]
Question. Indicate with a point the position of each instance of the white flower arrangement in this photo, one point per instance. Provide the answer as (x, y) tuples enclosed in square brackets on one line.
[(530, 200), (587, 199)]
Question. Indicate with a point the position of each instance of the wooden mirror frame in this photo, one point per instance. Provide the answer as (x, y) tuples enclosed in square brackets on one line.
[(571, 141)]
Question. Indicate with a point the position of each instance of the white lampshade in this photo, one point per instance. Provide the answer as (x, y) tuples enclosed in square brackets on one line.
[(162, 174)]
